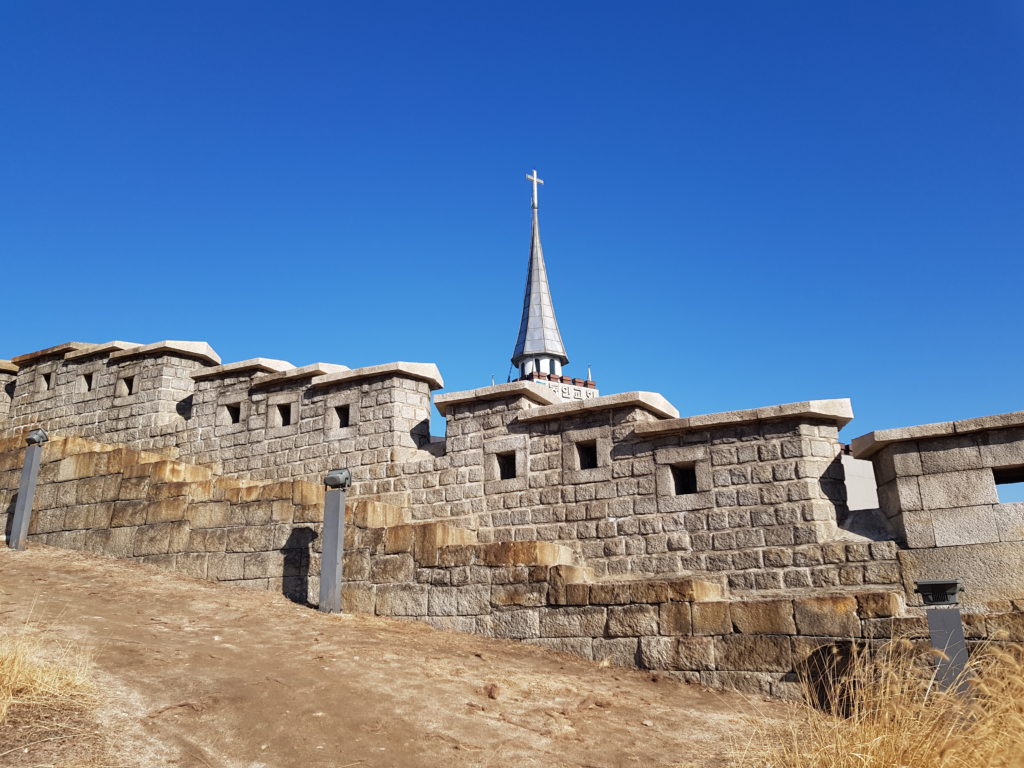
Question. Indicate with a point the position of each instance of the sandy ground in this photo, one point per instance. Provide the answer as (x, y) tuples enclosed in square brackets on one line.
[(198, 674)]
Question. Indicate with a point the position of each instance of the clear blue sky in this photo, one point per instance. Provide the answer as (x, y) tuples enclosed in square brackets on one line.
[(747, 203)]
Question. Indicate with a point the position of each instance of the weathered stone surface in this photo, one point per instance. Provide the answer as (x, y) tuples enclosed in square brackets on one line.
[(401, 600), (769, 617), (518, 624), (753, 652), (632, 620), (577, 622), (677, 653), (674, 619), (622, 652), (711, 618), (831, 616)]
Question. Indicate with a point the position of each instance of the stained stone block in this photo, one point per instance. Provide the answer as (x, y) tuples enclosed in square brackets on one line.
[(621, 652), (711, 618), (753, 653), (674, 619), (767, 617), (516, 624), (632, 620), (573, 622), (831, 616), (355, 598), (392, 568), (401, 600)]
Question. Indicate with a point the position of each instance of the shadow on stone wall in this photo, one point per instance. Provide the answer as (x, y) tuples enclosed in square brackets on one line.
[(824, 675), (297, 553), (9, 517)]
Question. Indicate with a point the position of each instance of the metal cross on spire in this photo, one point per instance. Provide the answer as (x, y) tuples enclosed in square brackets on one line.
[(536, 180)]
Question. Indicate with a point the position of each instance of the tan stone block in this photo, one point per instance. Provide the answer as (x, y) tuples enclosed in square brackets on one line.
[(225, 566), (88, 516), (1006, 626), (259, 565), (528, 595), (674, 619), (357, 598), (128, 513), (305, 492), (524, 553), (632, 620), (212, 514), (677, 653), (134, 488), (456, 556), (756, 653), (207, 540), (622, 652), (401, 600), (587, 621), (152, 540), (711, 618), (239, 494), (830, 616), (192, 563), (274, 491), (767, 617), (611, 593), (166, 510), (392, 568), (878, 605), (98, 489)]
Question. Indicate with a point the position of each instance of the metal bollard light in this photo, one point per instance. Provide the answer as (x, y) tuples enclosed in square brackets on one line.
[(946, 629), (332, 557), (27, 488)]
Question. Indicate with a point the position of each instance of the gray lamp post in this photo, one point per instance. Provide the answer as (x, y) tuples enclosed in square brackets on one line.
[(332, 557), (27, 488), (946, 628)]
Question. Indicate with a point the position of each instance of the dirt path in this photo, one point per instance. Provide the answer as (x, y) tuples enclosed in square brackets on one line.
[(209, 675)]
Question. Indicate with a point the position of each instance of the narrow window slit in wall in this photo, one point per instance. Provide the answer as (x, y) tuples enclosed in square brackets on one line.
[(506, 465), (343, 415), (284, 414), (587, 453), (87, 382), (45, 381), (234, 412), (684, 479), (1009, 484), (126, 386)]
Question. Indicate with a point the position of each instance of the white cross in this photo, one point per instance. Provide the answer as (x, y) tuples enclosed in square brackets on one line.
[(535, 181)]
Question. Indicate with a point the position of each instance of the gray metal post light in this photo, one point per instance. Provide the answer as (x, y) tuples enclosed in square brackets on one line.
[(331, 559), (27, 488), (946, 629)]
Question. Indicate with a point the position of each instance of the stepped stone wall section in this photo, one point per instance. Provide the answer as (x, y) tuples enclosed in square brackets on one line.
[(266, 535), (937, 485)]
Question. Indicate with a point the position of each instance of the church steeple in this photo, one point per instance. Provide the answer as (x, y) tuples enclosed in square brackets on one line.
[(539, 348)]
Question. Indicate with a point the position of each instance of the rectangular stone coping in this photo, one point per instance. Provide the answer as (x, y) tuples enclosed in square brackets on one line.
[(60, 349), (99, 349), (538, 393), (427, 372), (6, 366), (198, 350), (649, 401), (866, 445), (253, 365), (295, 374), (839, 411)]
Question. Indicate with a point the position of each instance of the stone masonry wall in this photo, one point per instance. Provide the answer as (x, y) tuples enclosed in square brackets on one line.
[(266, 535)]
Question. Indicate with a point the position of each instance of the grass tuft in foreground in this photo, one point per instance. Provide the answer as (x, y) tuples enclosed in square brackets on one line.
[(46, 694), (887, 711)]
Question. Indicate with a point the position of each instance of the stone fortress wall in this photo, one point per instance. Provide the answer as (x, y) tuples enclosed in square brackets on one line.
[(532, 516)]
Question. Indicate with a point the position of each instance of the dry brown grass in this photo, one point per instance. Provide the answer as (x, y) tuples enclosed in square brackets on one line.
[(47, 694), (888, 712)]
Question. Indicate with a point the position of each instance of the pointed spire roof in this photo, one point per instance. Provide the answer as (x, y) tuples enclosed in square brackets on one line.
[(538, 330)]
